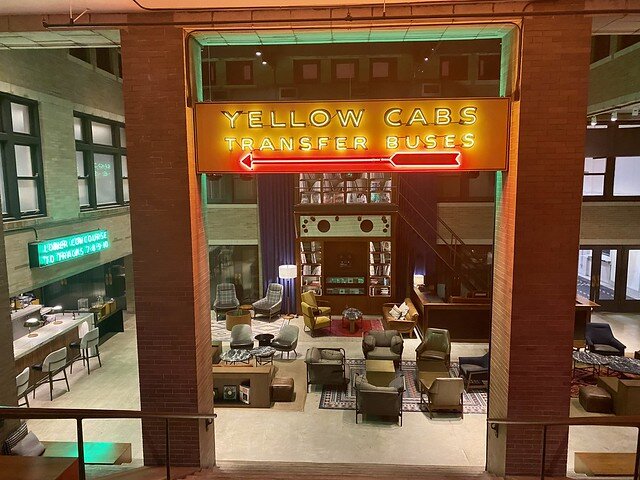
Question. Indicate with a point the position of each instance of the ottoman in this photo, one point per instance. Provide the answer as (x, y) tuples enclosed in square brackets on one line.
[(282, 389), (595, 399)]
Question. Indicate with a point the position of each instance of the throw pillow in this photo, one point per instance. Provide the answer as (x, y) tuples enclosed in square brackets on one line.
[(395, 312), (15, 438), (331, 355), (29, 446), (404, 308)]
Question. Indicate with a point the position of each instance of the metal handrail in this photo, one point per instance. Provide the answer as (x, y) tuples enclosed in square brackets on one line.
[(83, 414), (618, 421)]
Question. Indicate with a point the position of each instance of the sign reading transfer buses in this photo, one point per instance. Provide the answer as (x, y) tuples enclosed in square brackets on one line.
[(353, 136)]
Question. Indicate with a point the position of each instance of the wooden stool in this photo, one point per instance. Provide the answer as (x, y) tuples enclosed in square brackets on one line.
[(595, 399), (282, 389)]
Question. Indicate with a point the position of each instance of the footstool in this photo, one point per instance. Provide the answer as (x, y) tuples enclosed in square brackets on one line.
[(282, 389), (595, 399)]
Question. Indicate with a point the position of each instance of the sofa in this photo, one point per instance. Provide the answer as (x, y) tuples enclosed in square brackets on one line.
[(382, 401), (405, 325), (625, 394), (382, 345)]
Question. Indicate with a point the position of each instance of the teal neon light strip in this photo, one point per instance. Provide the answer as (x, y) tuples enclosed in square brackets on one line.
[(63, 249)]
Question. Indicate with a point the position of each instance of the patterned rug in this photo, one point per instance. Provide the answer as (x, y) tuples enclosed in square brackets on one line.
[(331, 398), (219, 328), (341, 329)]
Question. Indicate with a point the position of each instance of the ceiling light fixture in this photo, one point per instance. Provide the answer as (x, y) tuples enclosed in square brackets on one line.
[(594, 121), (258, 53), (614, 116)]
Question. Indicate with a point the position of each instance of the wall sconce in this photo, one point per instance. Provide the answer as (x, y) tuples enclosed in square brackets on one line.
[(418, 280)]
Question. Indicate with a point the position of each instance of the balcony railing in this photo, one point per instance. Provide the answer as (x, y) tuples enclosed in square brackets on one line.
[(330, 188)]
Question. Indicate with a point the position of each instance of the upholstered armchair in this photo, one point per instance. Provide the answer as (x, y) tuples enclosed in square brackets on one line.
[(314, 319), (382, 345), (226, 298), (404, 325), (286, 340), (474, 368), (241, 337), (322, 306), (271, 304), (445, 394), (383, 401), (434, 349), (325, 366), (600, 339)]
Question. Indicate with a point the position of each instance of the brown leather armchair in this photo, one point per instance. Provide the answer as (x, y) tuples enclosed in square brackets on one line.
[(435, 348), (404, 326)]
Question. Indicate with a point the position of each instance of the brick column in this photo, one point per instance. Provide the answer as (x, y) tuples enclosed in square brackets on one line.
[(170, 259), (538, 206)]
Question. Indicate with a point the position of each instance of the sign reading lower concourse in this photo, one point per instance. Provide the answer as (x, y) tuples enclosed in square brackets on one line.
[(63, 249), (353, 136)]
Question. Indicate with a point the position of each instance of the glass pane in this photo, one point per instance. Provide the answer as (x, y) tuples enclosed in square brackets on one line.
[(482, 185), (633, 275), (83, 191), (237, 264), (28, 193), (105, 178), (125, 170), (24, 167), (584, 272), (123, 137), (244, 189), (607, 274), (3, 194), (595, 165), (125, 189), (20, 118), (80, 164), (77, 128), (101, 133), (626, 180), (593, 185)]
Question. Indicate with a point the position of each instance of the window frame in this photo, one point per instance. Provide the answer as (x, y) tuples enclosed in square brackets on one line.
[(609, 177), (338, 61), (8, 141), (89, 149), (231, 198)]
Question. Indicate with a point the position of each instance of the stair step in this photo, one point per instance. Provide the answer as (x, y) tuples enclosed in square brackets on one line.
[(148, 473)]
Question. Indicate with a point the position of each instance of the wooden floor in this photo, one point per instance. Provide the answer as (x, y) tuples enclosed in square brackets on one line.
[(605, 463)]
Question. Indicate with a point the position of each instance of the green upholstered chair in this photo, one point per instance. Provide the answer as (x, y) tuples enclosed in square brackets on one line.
[(435, 348)]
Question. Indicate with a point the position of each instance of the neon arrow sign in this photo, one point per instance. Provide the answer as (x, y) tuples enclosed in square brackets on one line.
[(399, 160)]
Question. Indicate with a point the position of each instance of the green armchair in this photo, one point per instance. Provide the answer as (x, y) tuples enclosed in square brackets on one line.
[(382, 401), (326, 366), (435, 349), (382, 345)]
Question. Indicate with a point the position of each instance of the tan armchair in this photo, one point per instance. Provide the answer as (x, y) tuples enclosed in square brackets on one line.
[(445, 394), (404, 326), (435, 348), (314, 319), (310, 299), (381, 401), (625, 394)]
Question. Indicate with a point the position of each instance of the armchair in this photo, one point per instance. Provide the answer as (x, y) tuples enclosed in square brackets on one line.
[(226, 298), (321, 305), (405, 325), (382, 345), (241, 337), (383, 401), (600, 339), (445, 394), (474, 368), (271, 304), (325, 366), (434, 349), (313, 318), (286, 340)]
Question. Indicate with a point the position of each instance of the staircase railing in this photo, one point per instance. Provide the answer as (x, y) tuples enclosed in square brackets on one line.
[(83, 414), (494, 425)]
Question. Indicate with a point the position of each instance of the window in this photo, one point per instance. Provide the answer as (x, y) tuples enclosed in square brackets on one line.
[(344, 69), (454, 67), (625, 41), (237, 264), (101, 162), (488, 67), (626, 177), (231, 189), (306, 71), (239, 72), (83, 54), (594, 176), (21, 179), (465, 187), (600, 47), (383, 69), (103, 60), (106, 59)]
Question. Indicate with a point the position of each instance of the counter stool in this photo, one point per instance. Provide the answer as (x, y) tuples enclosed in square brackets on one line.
[(22, 382), (53, 364), (88, 342)]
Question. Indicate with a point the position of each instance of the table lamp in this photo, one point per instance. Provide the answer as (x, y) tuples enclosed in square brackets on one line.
[(30, 323), (57, 309)]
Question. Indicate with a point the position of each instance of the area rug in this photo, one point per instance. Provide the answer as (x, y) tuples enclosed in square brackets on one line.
[(340, 329), (336, 399), (219, 328)]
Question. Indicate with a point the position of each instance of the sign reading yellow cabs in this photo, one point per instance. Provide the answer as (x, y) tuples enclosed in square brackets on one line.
[(349, 136)]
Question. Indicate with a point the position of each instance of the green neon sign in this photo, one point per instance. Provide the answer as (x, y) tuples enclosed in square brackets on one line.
[(72, 247)]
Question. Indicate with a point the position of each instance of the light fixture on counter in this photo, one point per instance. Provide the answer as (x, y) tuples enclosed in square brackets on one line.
[(30, 323), (56, 310)]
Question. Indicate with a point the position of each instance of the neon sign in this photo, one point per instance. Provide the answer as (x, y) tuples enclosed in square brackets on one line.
[(62, 249), (348, 136)]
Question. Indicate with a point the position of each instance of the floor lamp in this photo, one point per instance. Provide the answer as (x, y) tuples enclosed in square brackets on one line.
[(287, 273)]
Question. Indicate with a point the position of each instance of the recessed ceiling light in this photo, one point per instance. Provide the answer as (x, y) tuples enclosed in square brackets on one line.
[(258, 53)]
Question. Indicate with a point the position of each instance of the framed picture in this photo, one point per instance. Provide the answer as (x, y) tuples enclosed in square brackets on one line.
[(244, 394), (230, 392)]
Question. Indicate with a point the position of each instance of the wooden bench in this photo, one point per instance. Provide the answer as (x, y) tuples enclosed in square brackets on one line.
[(38, 468), (98, 453)]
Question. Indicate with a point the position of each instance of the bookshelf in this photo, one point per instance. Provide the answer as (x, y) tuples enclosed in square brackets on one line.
[(311, 266), (380, 268)]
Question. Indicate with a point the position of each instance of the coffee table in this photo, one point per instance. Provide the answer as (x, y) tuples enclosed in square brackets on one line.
[(236, 355), (246, 308), (595, 360), (263, 355), (352, 315), (264, 339), (624, 365), (380, 372)]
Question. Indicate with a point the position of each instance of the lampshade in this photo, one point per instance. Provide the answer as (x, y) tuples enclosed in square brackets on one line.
[(287, 271), (418, 280)]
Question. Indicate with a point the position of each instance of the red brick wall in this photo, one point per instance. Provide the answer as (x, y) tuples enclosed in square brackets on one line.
[(537, 238), (170, 253)]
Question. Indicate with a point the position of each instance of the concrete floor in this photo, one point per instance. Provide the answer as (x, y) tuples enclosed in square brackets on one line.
[(313, 435)]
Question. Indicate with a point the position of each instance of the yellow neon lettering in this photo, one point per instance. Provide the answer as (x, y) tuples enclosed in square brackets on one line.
[(305, 143), (246, 143), (267, 144), (341, 143), (350, 116), (293, 122), (468, 140), (392, 143), (232, 117), (286, 144), (274, 123), (449, 141), (430, 141), (468, 115), (359, 142), (255, 119), (417, 116), (230, 142), (443, 116), (387, 117), (322, 142), (324, 114), (412, 146)]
